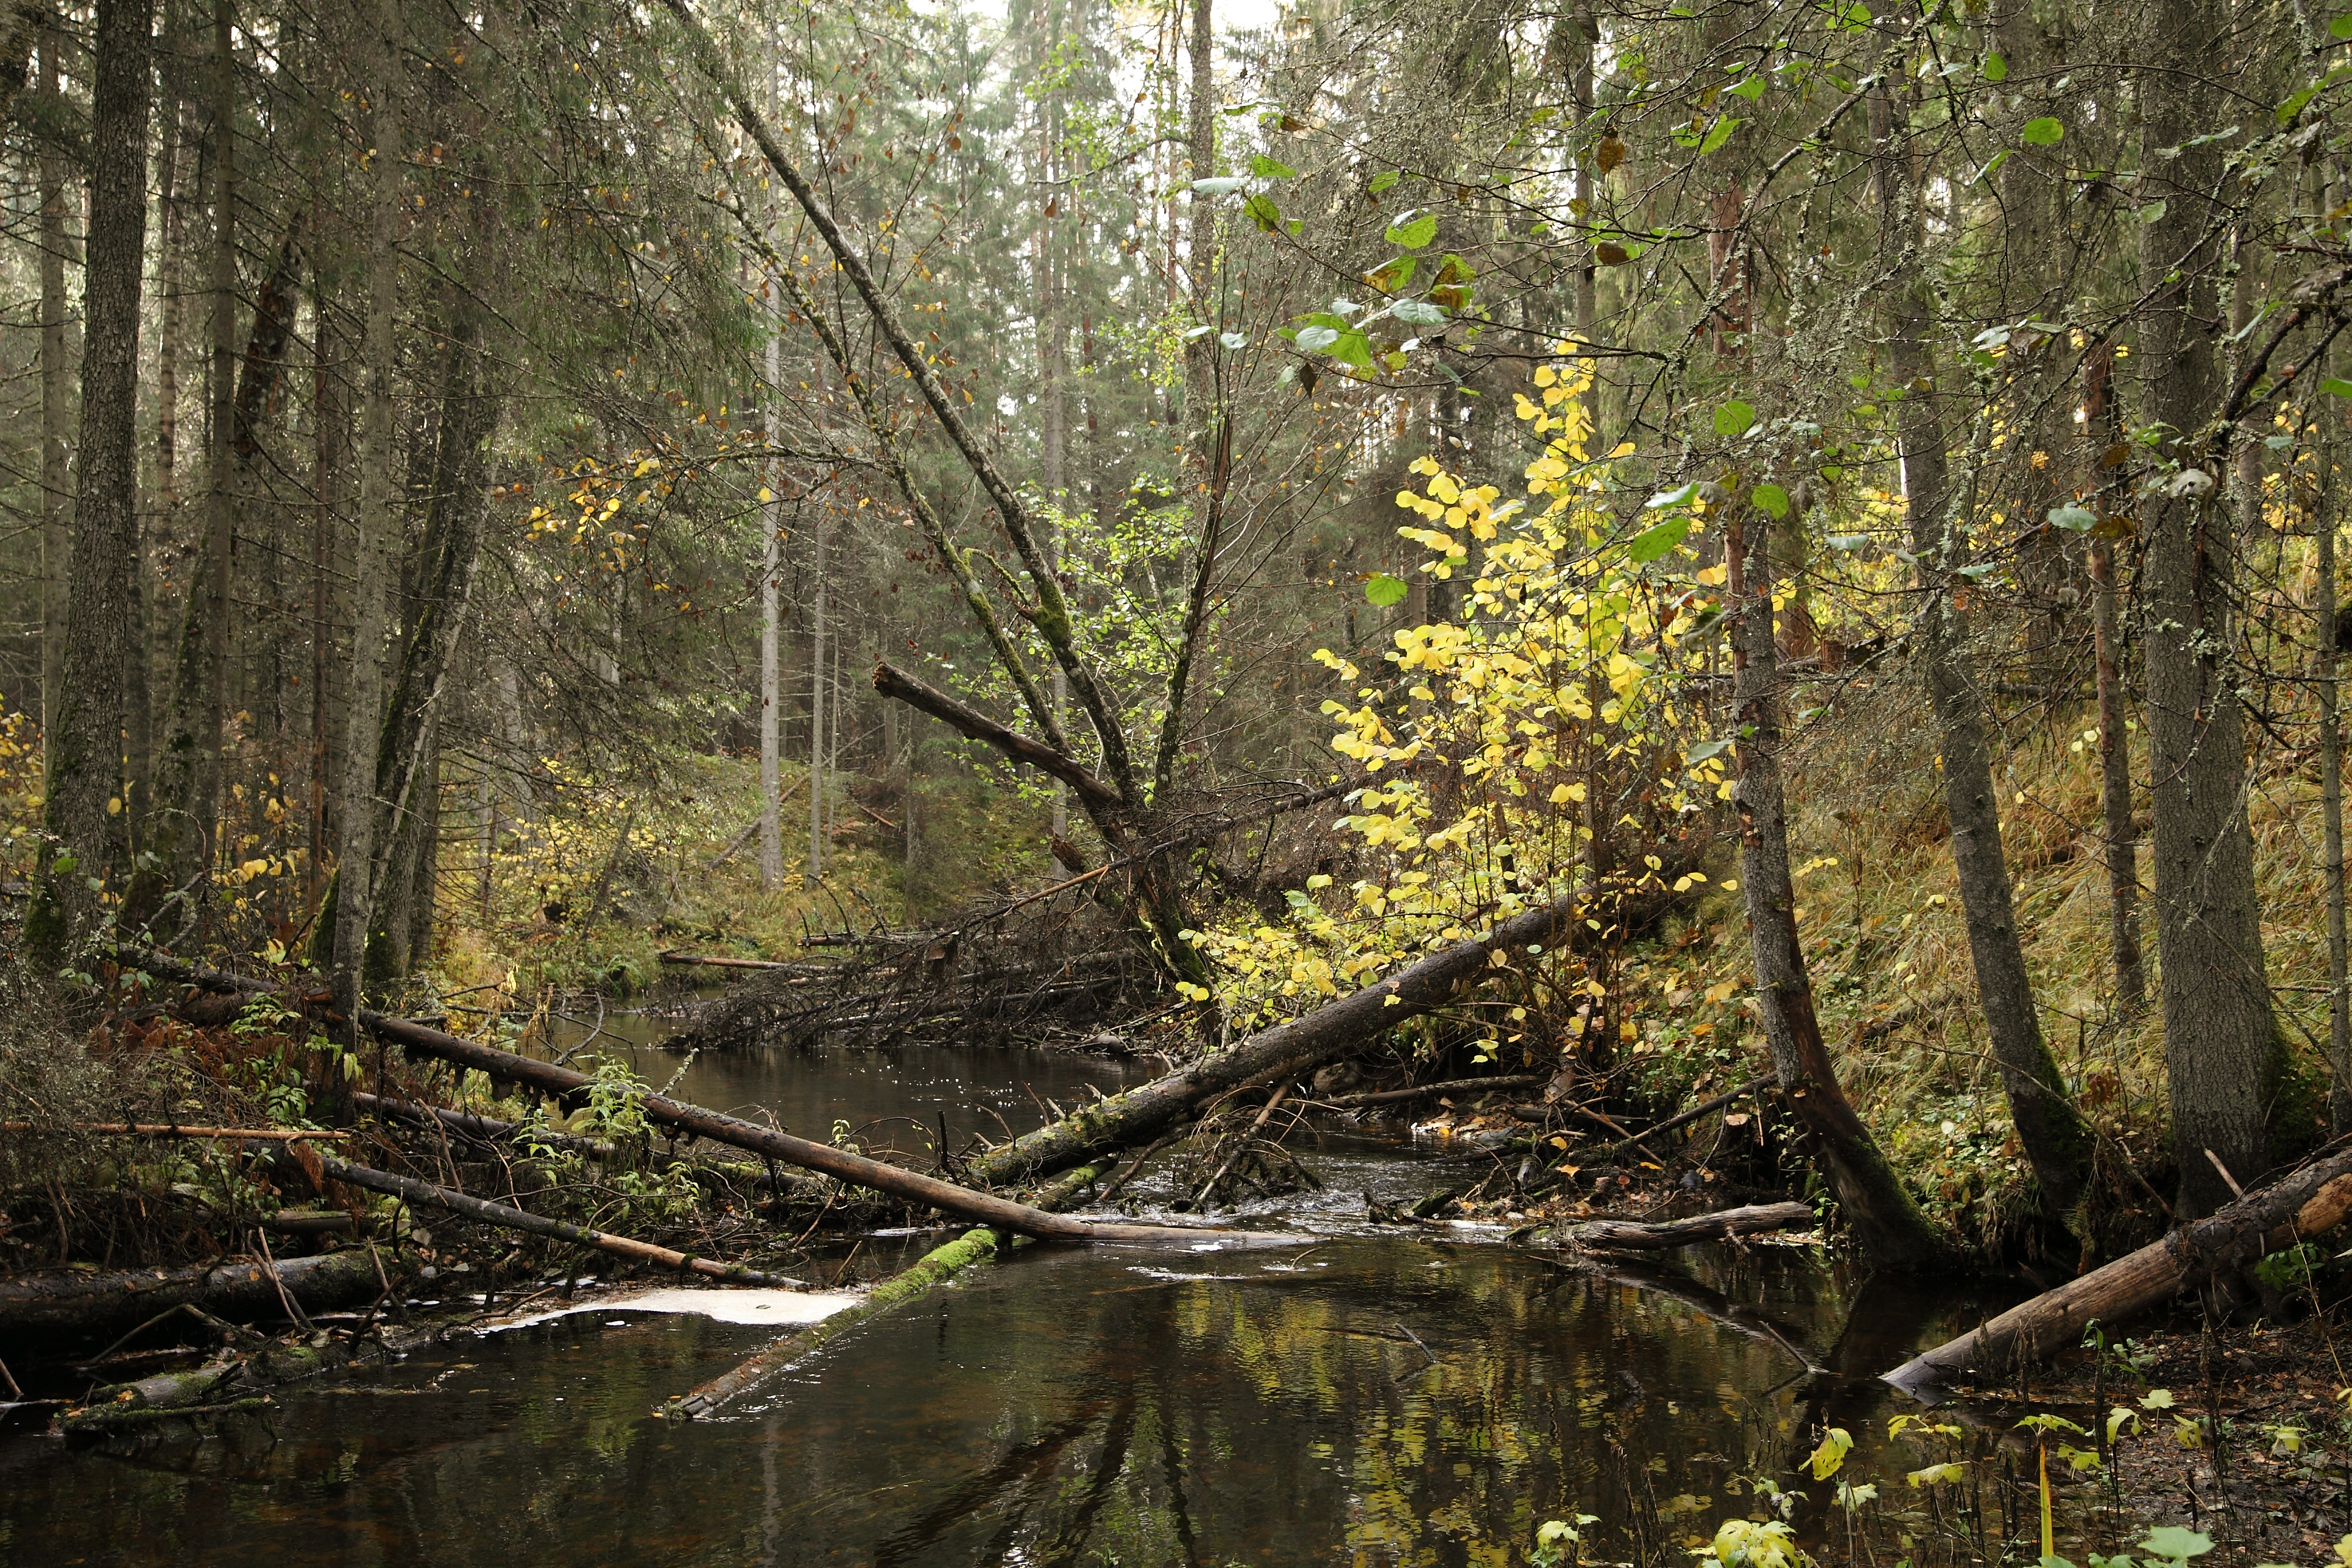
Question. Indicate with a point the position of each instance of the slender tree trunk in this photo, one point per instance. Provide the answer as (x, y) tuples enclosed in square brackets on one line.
[(344, 925), (2331, 789), (1585, 303), (1884, 1219), (1201, 137), (187, 783), (2104, 418), (2222, 1054), (2048, 1129), (817, 706), (57, 474), (772, 694), (326, 491), (83, 808)]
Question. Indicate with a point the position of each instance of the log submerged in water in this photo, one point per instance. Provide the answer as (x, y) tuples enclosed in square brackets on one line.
[(2303, 1204)]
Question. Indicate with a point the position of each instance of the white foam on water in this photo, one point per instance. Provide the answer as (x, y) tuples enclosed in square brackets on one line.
[(787, 1308)]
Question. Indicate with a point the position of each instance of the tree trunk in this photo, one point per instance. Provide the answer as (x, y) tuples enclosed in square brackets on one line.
[(771, 688), (91, 1304), (188, 784), (57, 474), (2052, 1136), (2104, 418), (88, 848), (343, 926), (2331, 791), (2222, 1054), (1884, 1219), (2283, 1214)]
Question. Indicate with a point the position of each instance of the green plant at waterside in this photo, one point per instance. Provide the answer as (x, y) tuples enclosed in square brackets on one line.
[(1560, 1541)]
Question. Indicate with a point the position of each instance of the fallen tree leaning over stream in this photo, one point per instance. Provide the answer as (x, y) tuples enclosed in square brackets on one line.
[(1633, 1236), (1289, 1049), (2303, 1204), (929, 1191)]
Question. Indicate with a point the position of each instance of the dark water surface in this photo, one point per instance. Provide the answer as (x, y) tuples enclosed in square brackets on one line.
[(1359, 1397)]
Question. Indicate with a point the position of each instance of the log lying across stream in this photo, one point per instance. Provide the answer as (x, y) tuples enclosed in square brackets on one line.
[(984, 1209), (2301, 1205), (1289, 1049), (241, 1290), (1632, 1236)]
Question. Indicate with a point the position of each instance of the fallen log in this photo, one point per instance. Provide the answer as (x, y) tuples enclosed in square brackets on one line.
[(165, 1130), (212, 1389), (239, 1289), (1632, 1236), (929, 1191), (696, 958), (416, 1192), (1427, 1091), (1289, 1050), (934, 1268), (489, 1131), (2281, 1213)]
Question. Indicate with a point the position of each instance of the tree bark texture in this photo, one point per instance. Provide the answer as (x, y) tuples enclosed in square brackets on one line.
[(343, 925), (2222, 1054), (2120, 835), (86, 775), (90, 1304), (56, 476), (1875, 1205), (2052, 1136), (2307, 1203)]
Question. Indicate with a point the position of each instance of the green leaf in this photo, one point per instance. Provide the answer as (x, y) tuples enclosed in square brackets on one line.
[(1234, 340), (1992, 167), (1848, 540), (64, 863), (1266, 168), (1223, 185), (2074, 519), (2150, 211), (1384, 590), (1391, 276), (1314, 340), (2337, 386), (1653, 542), (1996, 69), (1681, 497), (1418, 312), (2042, 133), (1382, 181), (1702, 751), (1980, 571), (1751, 88), (1825, 1461), (1733, 418), (1412, 231), (2178, 1544), (1264, 213), (1353, 349), (1718, 135), (1770, 500)]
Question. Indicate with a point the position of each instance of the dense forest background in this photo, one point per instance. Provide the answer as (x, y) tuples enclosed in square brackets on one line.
[(1838, 503)]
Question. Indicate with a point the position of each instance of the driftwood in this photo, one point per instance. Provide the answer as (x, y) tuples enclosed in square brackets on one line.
[(214, 1389), (933, 1269), (696, 958), (500, 1215), (1631, 1235), (240, 1289), (913, 1186), (2279, 1215), (1427, 1091), (1286, 1051)]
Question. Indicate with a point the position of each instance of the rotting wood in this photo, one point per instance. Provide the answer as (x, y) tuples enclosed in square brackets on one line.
[(1633, 1236), (2303, 1204), (696, 958), (1427, 1091), (416, 1192), (165, 1129), (1286, 1050), (237, 1288), (512, 1137), (935, 1268), (929, 1191)]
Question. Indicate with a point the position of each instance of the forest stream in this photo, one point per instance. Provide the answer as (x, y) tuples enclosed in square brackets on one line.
[(1362, 1395)]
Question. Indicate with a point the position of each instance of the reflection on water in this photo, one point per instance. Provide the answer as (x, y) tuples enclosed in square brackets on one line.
[(887, 1096), (1363, 1397), (1353, 1400)]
